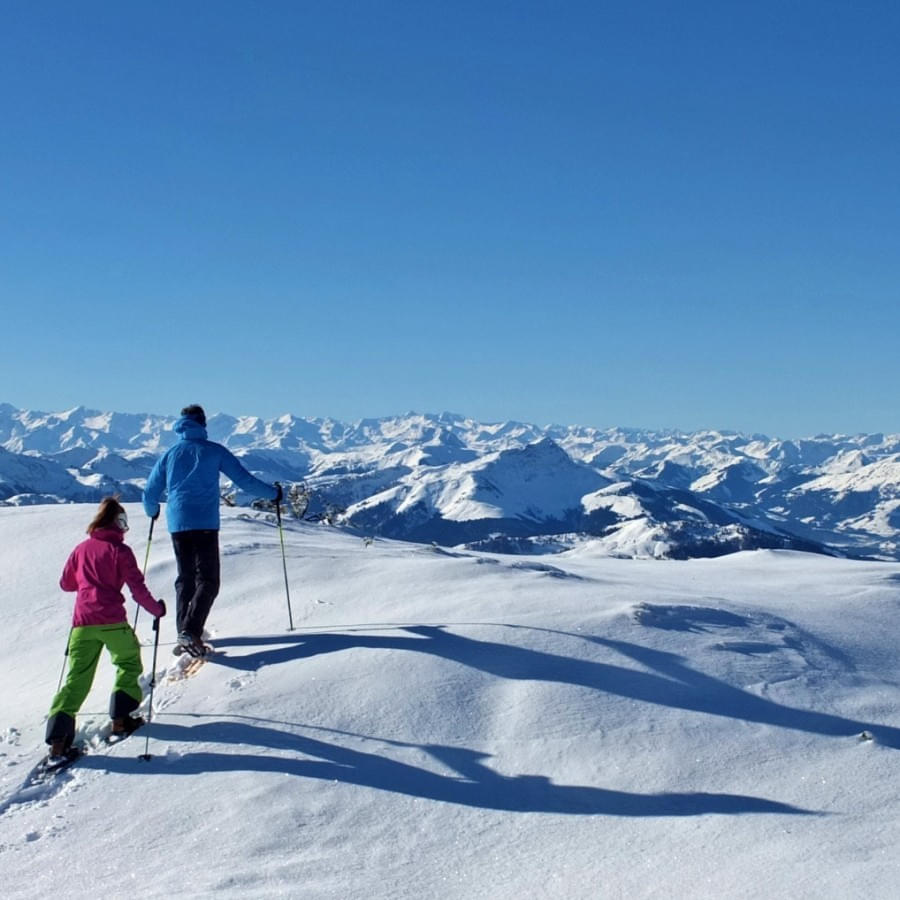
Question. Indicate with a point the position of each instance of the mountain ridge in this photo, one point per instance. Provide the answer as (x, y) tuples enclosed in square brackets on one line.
[(451, 479)]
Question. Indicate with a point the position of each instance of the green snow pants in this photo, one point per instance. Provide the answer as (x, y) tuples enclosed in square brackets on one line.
[(85, 645)]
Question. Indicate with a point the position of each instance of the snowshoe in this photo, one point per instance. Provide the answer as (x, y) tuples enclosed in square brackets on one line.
[(53, 763), (187, 643)]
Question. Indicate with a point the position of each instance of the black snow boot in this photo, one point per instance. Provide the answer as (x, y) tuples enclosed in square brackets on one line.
[(125, 725)]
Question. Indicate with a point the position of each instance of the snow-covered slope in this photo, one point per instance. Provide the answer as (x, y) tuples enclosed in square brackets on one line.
[(462, 725), (451, 479)]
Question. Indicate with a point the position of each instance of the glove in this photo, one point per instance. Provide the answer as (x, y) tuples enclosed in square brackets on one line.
[(280, 493), (162, 603), (156, 516)]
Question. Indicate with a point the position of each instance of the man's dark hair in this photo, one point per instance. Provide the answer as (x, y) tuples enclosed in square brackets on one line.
[(195, 412)]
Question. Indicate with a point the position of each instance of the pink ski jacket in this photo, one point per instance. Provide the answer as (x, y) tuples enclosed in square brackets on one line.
[(97, 569)]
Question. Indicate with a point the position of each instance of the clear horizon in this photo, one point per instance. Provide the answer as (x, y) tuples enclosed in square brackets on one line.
[(654, 216), (435, 413)]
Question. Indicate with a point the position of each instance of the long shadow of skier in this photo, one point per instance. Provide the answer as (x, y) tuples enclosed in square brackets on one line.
[(673, 683), (474, 783)]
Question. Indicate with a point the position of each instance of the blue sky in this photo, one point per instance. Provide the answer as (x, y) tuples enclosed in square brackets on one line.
[(655, 214)]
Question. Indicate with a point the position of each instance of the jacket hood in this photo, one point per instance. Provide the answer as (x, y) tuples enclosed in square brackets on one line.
[(190, 429), (113, 535)]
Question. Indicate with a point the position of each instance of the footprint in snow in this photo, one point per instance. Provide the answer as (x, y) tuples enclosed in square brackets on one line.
[(11, 736), (239, 682)]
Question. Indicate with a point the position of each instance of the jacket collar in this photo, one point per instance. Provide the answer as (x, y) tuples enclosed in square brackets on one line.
[(190, 429), (112, 535)]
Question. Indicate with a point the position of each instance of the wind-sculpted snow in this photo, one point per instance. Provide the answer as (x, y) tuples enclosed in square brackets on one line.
[(509, 485), (455, 724)]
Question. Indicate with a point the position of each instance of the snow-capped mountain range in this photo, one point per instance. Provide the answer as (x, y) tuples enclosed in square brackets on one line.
[(507, 486)]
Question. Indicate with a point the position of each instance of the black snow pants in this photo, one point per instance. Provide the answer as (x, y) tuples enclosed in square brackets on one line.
[(197, 584)]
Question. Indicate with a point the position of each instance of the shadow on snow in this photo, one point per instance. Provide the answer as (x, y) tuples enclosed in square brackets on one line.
[(669, 682), (672, 682), (474, 783)]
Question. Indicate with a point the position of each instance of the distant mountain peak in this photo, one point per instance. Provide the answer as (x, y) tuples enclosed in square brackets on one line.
[(449, 478)]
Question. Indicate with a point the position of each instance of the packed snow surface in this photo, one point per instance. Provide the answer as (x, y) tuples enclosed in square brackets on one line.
[(445, 724)]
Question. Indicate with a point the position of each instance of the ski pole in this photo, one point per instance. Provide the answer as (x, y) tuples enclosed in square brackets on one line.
[(287, 589), (146, 755), (144, 573), (65, 660)]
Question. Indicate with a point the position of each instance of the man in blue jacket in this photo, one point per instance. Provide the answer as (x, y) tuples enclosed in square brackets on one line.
[(189, 473)]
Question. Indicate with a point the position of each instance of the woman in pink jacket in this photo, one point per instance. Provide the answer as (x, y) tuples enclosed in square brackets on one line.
[(97, 569)]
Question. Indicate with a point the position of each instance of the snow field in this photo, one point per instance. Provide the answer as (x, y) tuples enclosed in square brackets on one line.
[(455, 725)]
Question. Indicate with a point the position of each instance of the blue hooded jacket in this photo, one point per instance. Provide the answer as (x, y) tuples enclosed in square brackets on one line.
[(189, 472)]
